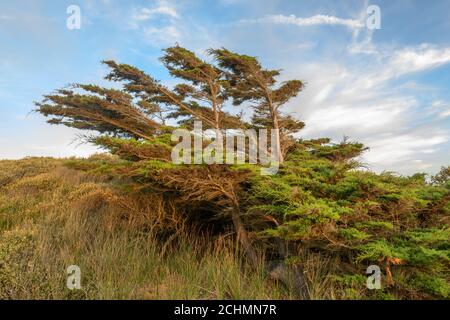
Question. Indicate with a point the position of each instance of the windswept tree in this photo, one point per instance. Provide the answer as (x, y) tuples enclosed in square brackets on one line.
[(133, 124), (152, 94), (251, 82), (90, 107), (204, 87), (200, 95), (317, 204)]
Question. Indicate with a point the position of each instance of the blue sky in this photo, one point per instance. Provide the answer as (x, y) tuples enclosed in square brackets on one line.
[(388, 88)]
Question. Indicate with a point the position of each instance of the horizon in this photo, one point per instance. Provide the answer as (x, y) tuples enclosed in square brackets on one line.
[(386, 88)]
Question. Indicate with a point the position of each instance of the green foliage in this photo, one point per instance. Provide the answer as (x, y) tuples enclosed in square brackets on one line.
[(443, 177), (321, 202), (433, 285), (353, 234)]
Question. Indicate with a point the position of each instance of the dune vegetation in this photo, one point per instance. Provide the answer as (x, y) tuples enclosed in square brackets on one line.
[(132, 243)]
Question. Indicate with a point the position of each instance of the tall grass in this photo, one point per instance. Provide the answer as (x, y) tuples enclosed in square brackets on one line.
[(52, 217)]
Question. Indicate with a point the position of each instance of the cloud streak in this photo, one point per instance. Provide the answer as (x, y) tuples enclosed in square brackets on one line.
[(316, 20), (162, 9)]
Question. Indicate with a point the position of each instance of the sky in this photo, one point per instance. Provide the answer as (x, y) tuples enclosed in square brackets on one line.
[(386, 87)]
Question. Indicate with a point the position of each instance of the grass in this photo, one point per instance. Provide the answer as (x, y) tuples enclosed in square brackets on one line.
[(52, 217)]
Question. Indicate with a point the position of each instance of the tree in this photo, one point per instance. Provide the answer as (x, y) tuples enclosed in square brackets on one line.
[(318, 203), (200, 96), (133, 124), (150, 91), (442, 177), (99, 109), (204, 82), (250, 82)]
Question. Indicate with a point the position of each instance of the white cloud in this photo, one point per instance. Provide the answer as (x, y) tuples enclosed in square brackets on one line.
[(391, 64), (363, 45), (441, 108), (158, 24), (164, 35), (319, 19), (361, 101), (416, 59), (162, 9), (444, 114), (357, 119), (402, 150)]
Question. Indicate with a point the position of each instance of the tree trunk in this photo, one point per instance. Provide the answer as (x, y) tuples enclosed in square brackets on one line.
[(276, 126), (243, 238)]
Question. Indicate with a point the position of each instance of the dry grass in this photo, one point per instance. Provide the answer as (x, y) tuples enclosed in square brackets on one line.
[(128, 245)]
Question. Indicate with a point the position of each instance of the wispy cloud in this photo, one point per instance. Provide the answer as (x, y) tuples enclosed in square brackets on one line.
[(163, 8), (162, 35), (316, 20), (420, 58), (441, 108), (159, 24)]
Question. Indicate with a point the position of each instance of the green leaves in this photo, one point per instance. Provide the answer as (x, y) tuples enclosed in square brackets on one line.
[(95, 108)]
